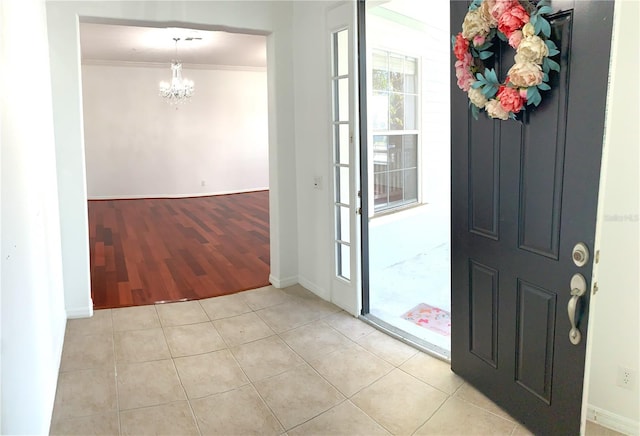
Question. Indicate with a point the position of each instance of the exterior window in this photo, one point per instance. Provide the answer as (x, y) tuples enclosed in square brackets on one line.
[(394, 113)]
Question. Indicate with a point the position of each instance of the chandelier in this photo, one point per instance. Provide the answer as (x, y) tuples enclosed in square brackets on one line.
[(180, 89)]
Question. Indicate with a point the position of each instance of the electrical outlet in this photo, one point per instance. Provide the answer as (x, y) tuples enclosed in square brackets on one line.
[(203, 183), (626, 378), (317, 182)]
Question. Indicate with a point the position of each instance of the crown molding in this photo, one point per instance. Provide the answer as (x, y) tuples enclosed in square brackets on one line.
[(116, 63)]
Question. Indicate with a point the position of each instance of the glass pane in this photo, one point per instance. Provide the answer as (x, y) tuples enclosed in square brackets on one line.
[(410, 75), (395, 152), (342, 49), (342, 185), (344, 264), (379, 111), (380, 190), (344, 225), (342, 143), (380, 71), (396, 73), (410, 148), (410, 112), (342, 97), (396, 112), (396, 186), (411, 185), (380, 155)]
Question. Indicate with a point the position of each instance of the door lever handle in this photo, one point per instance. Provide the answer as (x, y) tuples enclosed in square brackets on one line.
[(578, 289)]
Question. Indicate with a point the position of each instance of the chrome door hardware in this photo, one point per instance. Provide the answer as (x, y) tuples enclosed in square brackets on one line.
[(578, 289), (580, 254)]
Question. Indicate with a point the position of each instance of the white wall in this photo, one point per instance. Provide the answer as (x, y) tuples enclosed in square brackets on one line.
[(137, 145), (32, 313), (313, 145), (267, 17), (614, 327)]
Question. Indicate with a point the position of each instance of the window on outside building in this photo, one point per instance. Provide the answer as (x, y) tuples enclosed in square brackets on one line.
[(394, 120)]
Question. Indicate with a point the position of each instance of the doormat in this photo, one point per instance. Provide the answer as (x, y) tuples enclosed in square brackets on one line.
[(429, 317)]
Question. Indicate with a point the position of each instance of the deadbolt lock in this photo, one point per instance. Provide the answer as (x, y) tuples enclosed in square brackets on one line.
[(580, 254)]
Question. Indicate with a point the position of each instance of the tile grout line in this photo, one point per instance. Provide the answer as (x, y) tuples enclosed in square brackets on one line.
[(175, 368), (251, 383), (115, 370)]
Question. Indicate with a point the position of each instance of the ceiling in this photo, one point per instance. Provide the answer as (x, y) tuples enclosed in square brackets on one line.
[(119, 43)]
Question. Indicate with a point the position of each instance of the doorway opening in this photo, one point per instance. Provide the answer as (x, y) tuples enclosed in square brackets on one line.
[(178, 194), (406, 243)]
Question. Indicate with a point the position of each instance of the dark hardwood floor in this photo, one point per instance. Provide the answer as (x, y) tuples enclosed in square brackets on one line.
[(152, 250)]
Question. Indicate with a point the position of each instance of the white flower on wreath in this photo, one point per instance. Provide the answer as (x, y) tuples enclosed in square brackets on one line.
[(531, 49), (495, 110), (477, 97), (474, 25), (525, 74), (528, 30), (485, 11)]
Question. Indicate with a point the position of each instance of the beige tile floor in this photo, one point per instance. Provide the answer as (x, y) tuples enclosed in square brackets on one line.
[(266, 361)]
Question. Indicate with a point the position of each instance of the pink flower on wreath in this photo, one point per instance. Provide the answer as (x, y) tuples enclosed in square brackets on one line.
[(523, 93), (463, 72), (478, 40), (512, 19), (461, 47), (510, 99), (499, 7), (515, 39)]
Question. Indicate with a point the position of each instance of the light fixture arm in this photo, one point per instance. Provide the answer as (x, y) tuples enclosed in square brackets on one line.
[(176, 47)]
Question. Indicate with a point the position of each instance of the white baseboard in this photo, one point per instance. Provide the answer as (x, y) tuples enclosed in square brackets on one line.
[(196, 194), (80, 312), (282, 282), (613, 421), (319, 291)]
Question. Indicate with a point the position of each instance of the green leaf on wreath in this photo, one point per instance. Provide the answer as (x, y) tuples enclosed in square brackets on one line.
[(544, 9), (475, 5), (550, 44), (489, 91), (545, 66), (503, 37), (533, 96), (545, 27), (475, 111), (553, 65), (491, 76), (533, 19), (545, 77), (544, 87), (477, 84), (485, 54), (485, 46)]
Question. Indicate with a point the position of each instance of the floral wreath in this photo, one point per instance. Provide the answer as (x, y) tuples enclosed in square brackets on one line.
[(522, 25)]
